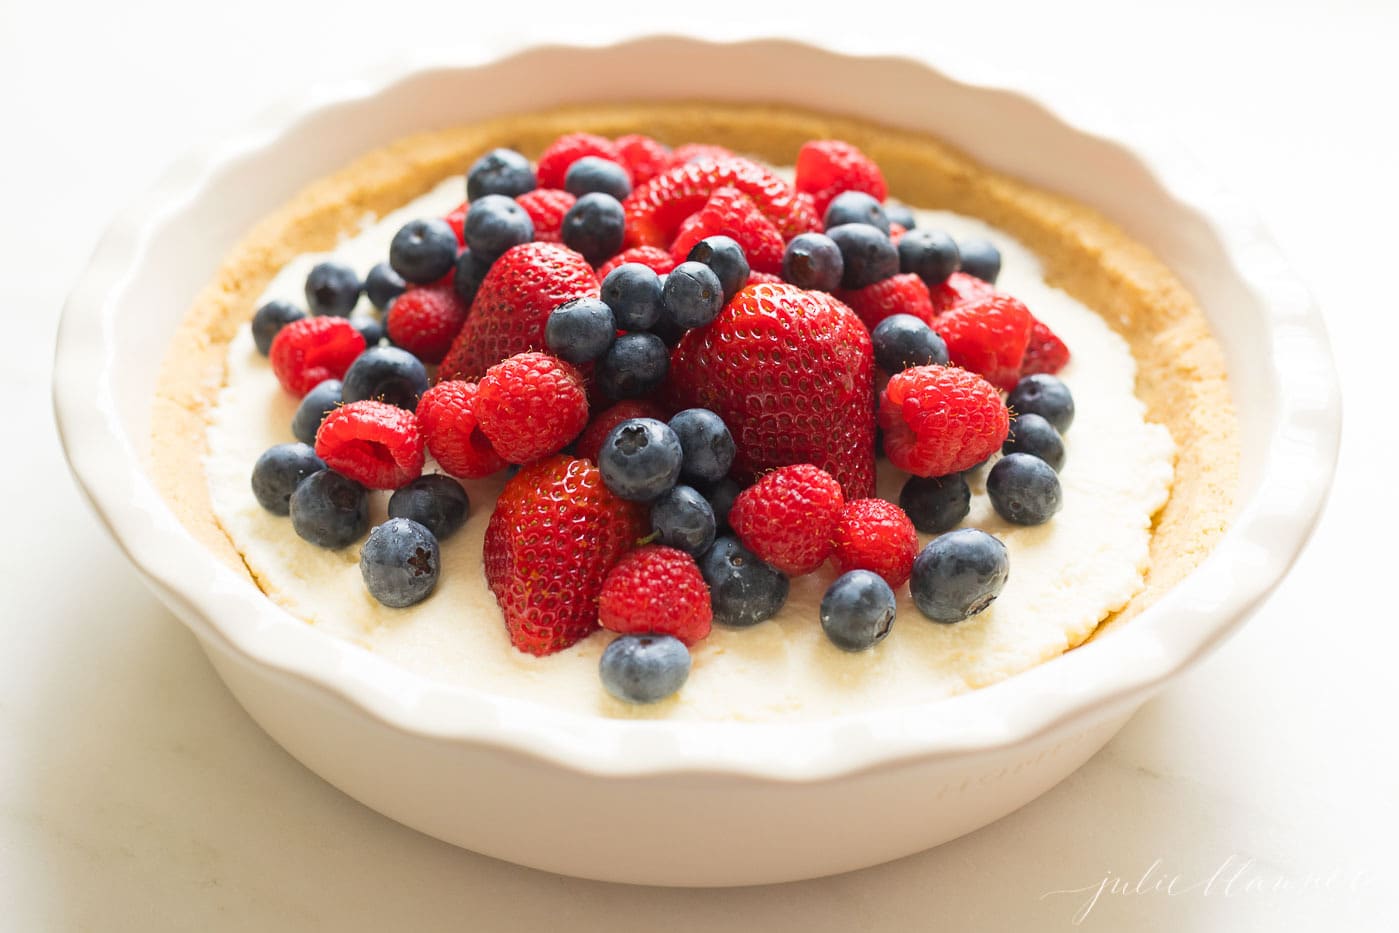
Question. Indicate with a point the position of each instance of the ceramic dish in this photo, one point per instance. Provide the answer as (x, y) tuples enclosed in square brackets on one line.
[(724, 803)]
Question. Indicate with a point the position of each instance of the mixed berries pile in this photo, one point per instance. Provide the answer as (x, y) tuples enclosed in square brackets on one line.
[(690, 364)]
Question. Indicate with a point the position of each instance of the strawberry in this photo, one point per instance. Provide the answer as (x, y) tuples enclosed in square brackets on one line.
[(654, 257), (569, 148), (898, 294), (959, 289), (791, 372), (789, 517), (555, 533), (425, 319), (988, 336), (729, 212), (590, 441), (693, 152), (513, 304), (307, 352), (1046, 352), (447, 418), (642, 156), (456, 219), (546, 207), (373, 443), (530, 405), (656, 589), (828, 167), (876, 535), (939, 420)]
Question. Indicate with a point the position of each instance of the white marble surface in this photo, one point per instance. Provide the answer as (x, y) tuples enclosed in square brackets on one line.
[(135, 795)]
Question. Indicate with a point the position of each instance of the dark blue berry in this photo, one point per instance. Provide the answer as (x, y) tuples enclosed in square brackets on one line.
[(958, 575), (981, 259), (640, 459), (433, 500), (494, 224), (936, 503), (682, 518), (279, 471), (423, 250), (580, 330), (929, 254), (329, 510), (332, 288), (382, 285), (1031, 434), (592, 173), (315, 405), (386, 374), (270, 319), (743, 590), (856, 207), (1024, 489), (595, 226), (633, 292), (901, 214), (857, 611), (708, 445), (635, 366), (1046, 396), (500, 171), (692, 295), (644, 668), (725, 257), (370, 327), (868, 255), (400, 563), (813, 261), (471, 272), (902, 340), (721, 496)]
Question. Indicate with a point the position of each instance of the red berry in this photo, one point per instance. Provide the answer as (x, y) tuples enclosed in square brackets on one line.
[(959, 289), (590, 441), (656, 589), (876, 535), (564, 151), (456, 219), (555, 533), (307, 352), (898, 294), (425, 320), (988, 336), (546, 207), (828, 167), (759, 278), (447, 418), (530, 406), (694, 152), (939, 420), (896, 232), (653, 256), (1046, 352), (373, 443), (643, 157), (729, 212), (789, 517)]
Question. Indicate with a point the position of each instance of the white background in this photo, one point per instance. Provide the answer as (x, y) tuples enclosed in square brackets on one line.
[(135, 795)]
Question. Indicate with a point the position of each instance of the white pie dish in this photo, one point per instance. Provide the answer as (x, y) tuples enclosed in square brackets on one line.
[(722, 803)]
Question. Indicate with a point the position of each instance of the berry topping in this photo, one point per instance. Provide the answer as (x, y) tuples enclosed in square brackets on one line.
[(385, 374), (581, 330), (423, 251), (382, 285), (989, 337), (633, 292), (329, 510), (1031, 434), (470, 273), (698, 152), (315, 405), (400, 562), (634, 366), (307, 352), (456, 219), (813, 260), (644, 668), (594, 226), (447, 417), (435, 501), (682, 518), (959, 289), (370, 327), (877, 536), (555, 161), (1046, 352), (936, 503), (373, 443), (721, 496), (653, 257), (731, 213), (828, 167), (640, 459), (900, 213), (1024, 489), (929, 254), (857, 611), (425, 320), (789, 517), (901, 341), (592, 173), (856, 207), (868, 255), (656, 589), (709, 447), (981, 259), (500, 171), (530, 406), (643, 157), (496, 223), (939, 420), (1046, 396), (743, 590), (269, 320), (904, 293), (332, 288), (958, 575), (280, 470), (726, 258), (546, 208), (590, 441), (692, 295)]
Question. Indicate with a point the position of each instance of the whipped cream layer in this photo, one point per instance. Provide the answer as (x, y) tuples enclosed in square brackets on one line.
[(1065, 576)]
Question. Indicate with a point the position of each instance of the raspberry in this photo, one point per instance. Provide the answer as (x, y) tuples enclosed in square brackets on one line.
[(307, 352), (729, 212), (373, 443), (656, 589), (447, 418), (694, 152), (959, 289), (876, 535), (546, 207), (642, 156), (828, 167), (569, 148), (456, 219), (1046, 352), (988, 336), (590, 441), (898, 294), (759, 278), (896, 232), (530, 406), (789, 517), (424, 320), (939, 420), (654, 257)]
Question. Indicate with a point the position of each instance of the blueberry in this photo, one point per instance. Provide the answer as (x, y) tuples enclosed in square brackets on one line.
[(500, 171), (279, 471), (692, 295), (936, 503), (743, 590), (981, 259), (708, 445), (929, 254), (856, 207), (726, 260), (332, 288), (383, 285), (633, 292), (901, 214), (494, 224), (644, 668), (640, 459), (813, 261), (424, 250), (386, 374), (1031, 434), (400, 563), (315, 405), (1046, 396), (635, 366), (595, 226), (682, 518), (580, 330), (721, 496), (958, 575), (433, 500), (471, 272), (857, 611), (592, 173), (1024, 489), (329, 510), (902, 340), (270, 319), (370, 327), (868, 255)]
